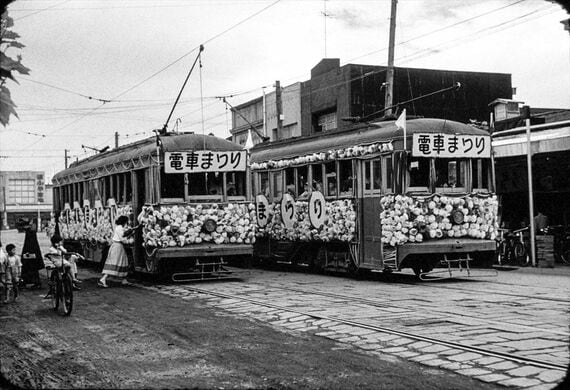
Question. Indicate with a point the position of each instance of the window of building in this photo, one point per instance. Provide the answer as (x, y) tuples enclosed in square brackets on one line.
[(22, 191), (326, 121)]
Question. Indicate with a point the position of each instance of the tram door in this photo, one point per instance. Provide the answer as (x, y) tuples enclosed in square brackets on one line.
[(370, 213), (139, 198)]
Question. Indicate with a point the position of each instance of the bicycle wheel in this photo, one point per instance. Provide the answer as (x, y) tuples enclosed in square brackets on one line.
[(521, 256), (54, 286), (67, 296)]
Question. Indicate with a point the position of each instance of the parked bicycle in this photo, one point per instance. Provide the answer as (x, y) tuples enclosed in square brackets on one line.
[(512, 249), (561, 242), (60, 282)]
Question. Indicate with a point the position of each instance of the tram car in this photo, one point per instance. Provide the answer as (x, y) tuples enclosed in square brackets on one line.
[(187, 194), (373, 199)]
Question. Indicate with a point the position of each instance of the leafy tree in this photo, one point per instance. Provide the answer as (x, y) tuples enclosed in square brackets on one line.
[(8, 66)]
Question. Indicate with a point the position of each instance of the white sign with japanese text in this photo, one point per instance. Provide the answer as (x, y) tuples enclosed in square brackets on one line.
[(451, 145), (288, 210), (204, 161), (317, 209), (262, 208)]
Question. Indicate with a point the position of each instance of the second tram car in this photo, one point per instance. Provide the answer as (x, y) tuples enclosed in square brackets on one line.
[(188, 194), (370, 198)]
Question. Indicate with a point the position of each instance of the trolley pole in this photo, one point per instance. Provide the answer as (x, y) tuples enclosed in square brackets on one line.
[(526, 116), (279, 108)]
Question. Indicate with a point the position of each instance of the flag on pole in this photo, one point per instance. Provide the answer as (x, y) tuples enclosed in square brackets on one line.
[(401, 124), (249, 141)]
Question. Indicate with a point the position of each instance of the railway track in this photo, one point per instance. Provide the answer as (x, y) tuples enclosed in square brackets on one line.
[(356, 324)]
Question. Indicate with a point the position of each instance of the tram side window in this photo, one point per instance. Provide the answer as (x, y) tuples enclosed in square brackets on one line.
[(418, 171), (303, 181), (480, 174), (330, 179), (450, 173), (277, 185), (389, 173), (376, 175), (367, 175), (263, 183), (317, 177), (171, 185), (290, 181)]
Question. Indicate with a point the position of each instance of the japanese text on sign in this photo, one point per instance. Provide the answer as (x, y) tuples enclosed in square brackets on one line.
[(288, 210), (204, 161), (262, 207), (451, 145), (317, 209)]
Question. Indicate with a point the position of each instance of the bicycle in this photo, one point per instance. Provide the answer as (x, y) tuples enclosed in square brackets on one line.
[(512, 249), (60, 283)]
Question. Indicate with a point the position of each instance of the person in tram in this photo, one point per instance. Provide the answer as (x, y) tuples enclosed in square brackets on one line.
[(58, 254), (305, 193)]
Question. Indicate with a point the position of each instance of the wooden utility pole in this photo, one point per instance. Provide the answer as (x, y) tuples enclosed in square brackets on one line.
[(390, 72), (116, 139), (66, 157), (279, 109)]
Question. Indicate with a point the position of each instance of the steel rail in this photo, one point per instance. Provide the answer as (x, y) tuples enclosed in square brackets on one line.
[(505, 356)]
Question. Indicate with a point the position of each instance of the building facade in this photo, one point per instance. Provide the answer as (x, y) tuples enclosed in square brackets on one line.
[(24, 195), (336, 94)]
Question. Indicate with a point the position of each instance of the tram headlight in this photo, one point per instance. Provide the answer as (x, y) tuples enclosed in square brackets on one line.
[(210, 225), (458, 217)]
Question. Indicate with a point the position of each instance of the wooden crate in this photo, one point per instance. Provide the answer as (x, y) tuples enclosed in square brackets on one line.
[(545, 251)]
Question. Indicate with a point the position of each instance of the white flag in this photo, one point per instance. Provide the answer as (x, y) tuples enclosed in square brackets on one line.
[(249, 141), (401, 124)]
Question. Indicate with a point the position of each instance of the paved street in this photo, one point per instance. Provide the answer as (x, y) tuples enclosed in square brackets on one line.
[(511, 330)]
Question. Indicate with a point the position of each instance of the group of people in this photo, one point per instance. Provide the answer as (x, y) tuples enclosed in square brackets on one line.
[(18, 272)]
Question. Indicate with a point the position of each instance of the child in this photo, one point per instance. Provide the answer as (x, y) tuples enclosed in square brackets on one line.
[(58, 252), (10, 271), (117, 262)]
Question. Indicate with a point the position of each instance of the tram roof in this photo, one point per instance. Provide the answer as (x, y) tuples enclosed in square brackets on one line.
[(139, 154), (359, 135)]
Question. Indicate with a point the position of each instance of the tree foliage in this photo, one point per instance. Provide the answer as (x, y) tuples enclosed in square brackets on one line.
[(8, 66)]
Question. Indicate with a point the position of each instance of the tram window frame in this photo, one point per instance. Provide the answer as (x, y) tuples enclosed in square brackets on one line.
[(317, 177), (263, 186), (462, 167), (427, 166), (277, 188), (330, 175), (388, 173), (290, 178), (302, 180), (238, 180), (171, 187), (372, 176), (346, 187), (481, 174)]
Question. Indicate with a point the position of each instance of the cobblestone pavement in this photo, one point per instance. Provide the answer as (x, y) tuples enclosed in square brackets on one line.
[(504, 320)]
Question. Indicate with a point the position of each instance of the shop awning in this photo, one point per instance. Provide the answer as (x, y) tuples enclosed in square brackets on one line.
[(545, 138)]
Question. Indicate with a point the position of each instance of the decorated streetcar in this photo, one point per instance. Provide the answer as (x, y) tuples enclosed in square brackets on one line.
[(186, 194), (373, 199)]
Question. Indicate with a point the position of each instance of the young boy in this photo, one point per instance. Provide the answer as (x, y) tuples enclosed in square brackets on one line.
[(10, 271), (59, 252)]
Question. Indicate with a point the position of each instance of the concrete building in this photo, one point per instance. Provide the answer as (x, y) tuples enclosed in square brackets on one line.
[(335, 93), (24, 194)]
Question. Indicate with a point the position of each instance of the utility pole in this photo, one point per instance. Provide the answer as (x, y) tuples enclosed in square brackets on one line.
[(279, 109), (525, 114), (390, 72), (116, 139), (66, 157)]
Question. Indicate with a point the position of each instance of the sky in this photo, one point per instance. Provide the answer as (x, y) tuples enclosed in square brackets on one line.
[(116, 66)]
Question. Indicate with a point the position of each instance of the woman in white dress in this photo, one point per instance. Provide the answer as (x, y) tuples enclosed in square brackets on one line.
[(117, 262)]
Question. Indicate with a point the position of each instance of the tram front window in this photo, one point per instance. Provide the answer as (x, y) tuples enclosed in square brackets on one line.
[(450, 174), (196, 184), (418, 171), (171, 185), (480, 174)]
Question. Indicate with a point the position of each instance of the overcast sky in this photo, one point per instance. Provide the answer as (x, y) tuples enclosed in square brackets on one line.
[(100, 67)]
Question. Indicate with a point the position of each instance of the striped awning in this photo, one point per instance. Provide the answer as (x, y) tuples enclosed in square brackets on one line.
[(547, 138)]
